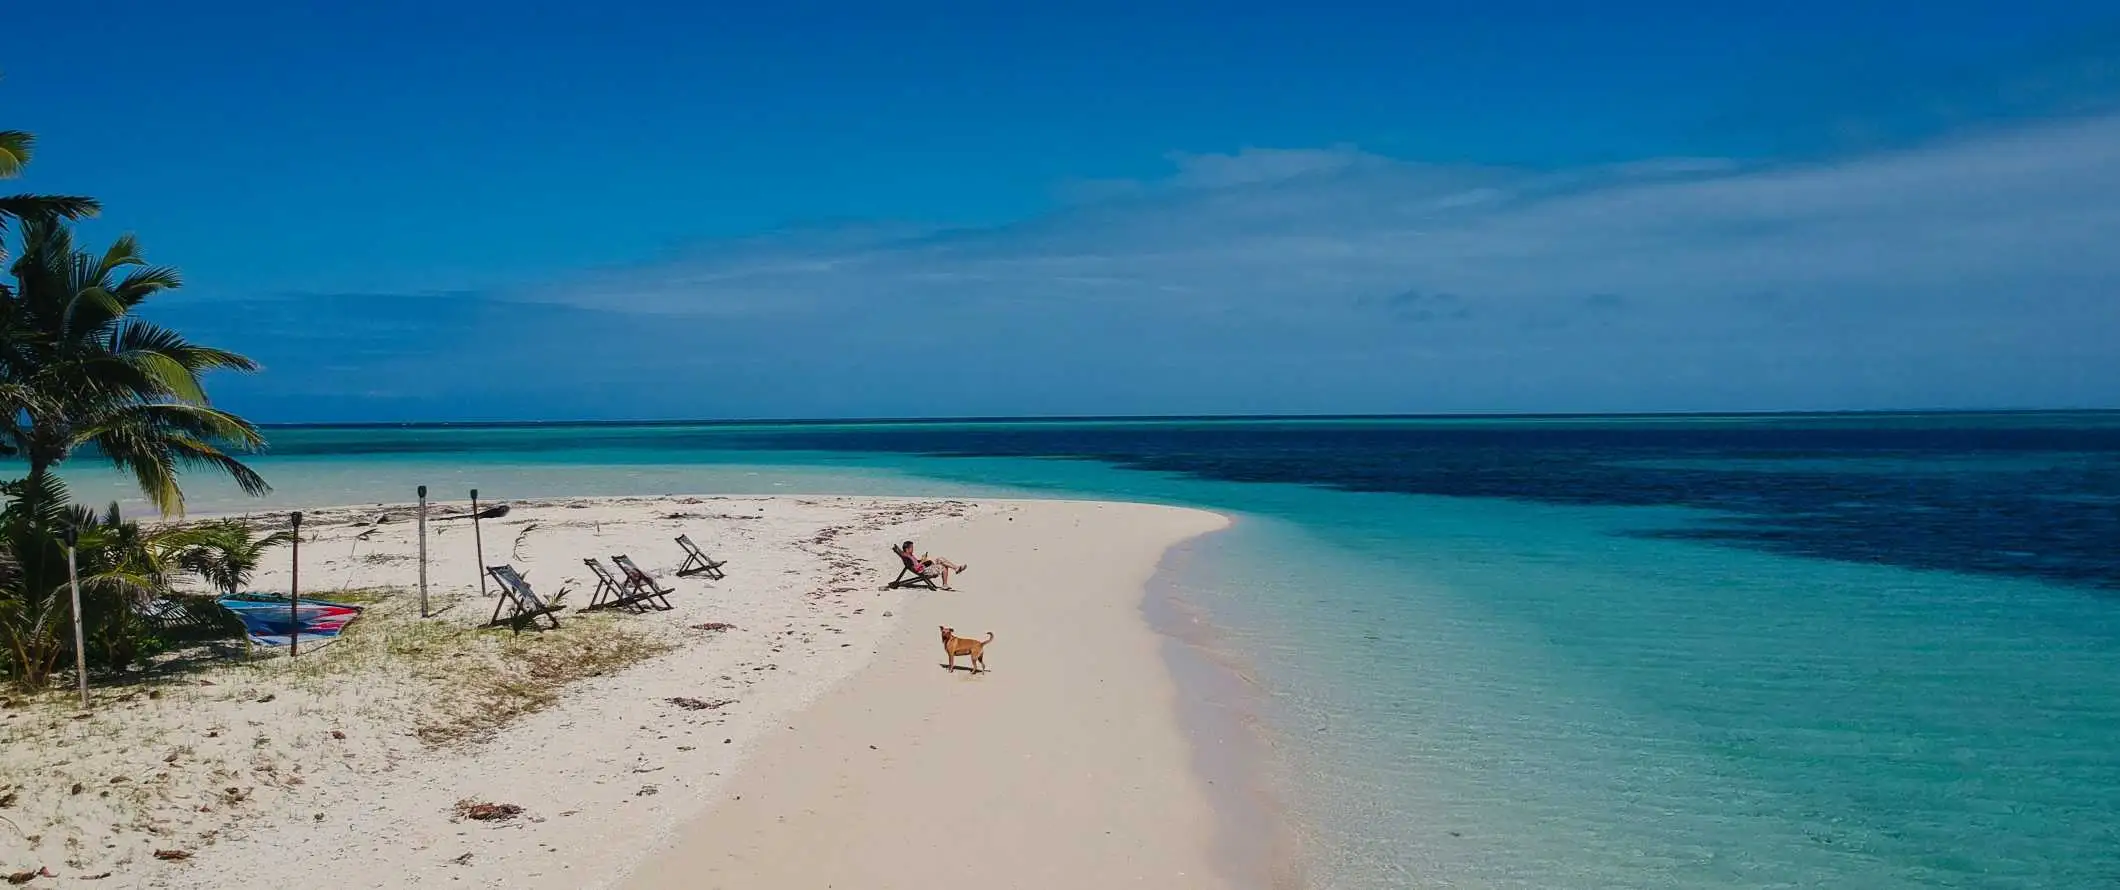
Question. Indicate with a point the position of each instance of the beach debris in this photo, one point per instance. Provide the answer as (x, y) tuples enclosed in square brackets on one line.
[(338, 734), (494, 512), (7, 798), (24, 877), (77, 789), (486, 812), (714, 625), (462, 860), (647, 791), (693, 704), (173, 855), (268, 697)]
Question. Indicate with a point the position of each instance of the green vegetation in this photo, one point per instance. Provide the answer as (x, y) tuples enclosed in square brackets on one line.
[(80, 371)]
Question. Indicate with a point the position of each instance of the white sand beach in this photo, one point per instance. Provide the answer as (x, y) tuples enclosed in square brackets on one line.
[(814, 741)]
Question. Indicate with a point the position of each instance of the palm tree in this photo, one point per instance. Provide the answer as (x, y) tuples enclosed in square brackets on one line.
[(78, 368), (16, 147)]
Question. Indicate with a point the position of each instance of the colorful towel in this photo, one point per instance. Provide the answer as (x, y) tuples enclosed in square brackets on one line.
[(269, 624)]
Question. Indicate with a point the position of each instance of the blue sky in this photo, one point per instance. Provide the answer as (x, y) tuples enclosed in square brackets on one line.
[(495, 211)]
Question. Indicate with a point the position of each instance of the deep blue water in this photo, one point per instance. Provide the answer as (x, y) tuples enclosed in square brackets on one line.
[(2029, 495)]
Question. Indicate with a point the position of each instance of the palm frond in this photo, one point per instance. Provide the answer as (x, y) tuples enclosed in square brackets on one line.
[(152, 441), (49, 206), (194, 421), (16, 148), (121, 253), (137, 335), (167, 374), (147, 282)]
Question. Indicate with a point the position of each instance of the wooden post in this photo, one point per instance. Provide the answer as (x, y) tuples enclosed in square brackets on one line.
[(73, 580), (294, 593), (478, 543), (423, 551)]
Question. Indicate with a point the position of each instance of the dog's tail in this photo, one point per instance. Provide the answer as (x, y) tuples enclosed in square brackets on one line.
[(989, 636)]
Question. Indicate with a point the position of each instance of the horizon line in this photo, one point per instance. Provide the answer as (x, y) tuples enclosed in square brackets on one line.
[(1150, 418)]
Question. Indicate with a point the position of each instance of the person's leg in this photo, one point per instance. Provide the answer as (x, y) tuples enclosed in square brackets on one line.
[(946, 572)]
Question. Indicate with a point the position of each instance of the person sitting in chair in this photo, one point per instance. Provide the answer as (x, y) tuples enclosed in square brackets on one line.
[(927, 565)]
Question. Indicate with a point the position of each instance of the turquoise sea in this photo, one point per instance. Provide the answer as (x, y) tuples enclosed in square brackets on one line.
[(1862, 651)]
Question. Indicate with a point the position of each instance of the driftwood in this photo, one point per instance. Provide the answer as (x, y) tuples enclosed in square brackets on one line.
[(494, 512)]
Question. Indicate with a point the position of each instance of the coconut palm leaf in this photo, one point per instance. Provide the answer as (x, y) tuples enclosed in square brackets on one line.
[(16, 147), (79, 369)]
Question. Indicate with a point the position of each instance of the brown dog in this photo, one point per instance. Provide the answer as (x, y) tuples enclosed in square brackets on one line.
[(954, 645)]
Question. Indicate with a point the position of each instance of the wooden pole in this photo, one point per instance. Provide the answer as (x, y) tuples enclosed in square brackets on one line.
[(478, 543), (294, 593), (423, 551), (73, 580)]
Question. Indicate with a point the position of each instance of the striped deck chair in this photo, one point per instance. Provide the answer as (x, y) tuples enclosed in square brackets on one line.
[(638, 583), (697, 562), (611, 594), (910, 574), (528, 605)]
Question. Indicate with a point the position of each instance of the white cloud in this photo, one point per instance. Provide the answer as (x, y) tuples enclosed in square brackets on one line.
[(1974, 272)]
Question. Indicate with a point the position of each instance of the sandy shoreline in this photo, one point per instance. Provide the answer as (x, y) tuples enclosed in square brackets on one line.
[(326, 771), (1064, 767)]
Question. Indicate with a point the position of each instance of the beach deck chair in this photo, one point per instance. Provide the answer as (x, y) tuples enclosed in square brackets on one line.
[(610, 594), (639, 583), (697, 562), (910, 575), (528, 605)]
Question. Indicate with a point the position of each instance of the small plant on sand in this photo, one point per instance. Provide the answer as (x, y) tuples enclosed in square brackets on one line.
[(225, 554)]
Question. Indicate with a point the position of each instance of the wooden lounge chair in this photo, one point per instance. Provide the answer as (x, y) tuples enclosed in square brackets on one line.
[(910, 575), (696, 561), (528, 605), (612, 594), (638, 583)]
